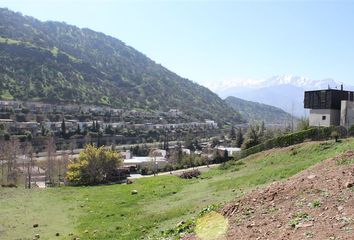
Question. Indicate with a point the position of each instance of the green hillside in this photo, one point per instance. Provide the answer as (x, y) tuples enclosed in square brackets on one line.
[(112, 212), (254, 111), (56, 62)]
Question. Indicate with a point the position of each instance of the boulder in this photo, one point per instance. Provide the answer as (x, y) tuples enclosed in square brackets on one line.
[(349, 184)]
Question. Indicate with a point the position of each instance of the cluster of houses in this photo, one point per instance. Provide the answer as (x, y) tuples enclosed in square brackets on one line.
[(19, 117), (159, 157)]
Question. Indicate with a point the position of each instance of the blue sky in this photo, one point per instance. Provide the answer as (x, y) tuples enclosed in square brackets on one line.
[(215, 41)]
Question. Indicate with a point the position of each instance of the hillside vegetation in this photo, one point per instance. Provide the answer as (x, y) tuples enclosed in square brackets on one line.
[(111, 212), (254, 111), (56, 62)]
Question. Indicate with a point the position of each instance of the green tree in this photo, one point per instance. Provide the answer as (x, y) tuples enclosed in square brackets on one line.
[(239, 138), (214, 142), (232, 134), (63, 129), (252, 136), (261, 130), (303, 124), (93, 166), (78, 130), (226, 155)]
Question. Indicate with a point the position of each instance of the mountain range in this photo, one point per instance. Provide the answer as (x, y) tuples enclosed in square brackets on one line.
[(60, 63), (283, 91), (257, 112)]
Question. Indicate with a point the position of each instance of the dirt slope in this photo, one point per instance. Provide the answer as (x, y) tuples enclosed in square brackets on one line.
[(317, 203)]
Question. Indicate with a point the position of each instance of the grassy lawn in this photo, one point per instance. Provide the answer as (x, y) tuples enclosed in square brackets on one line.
[(111, 212)]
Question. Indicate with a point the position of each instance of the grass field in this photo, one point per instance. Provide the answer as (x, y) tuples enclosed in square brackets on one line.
[(111, 212)]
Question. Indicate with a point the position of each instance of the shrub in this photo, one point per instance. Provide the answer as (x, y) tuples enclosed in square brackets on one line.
[(320, 133), (94, 166), (190, 174), (351, 130), (335, 135)]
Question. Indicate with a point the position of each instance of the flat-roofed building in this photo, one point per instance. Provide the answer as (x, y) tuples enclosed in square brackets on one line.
[(330, 107)]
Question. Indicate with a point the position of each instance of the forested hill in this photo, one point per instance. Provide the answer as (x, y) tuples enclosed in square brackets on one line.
[(56, 62), (254, 111)]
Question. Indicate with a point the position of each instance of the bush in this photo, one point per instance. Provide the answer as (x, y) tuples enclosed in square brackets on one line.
[(335, 135), (351, 130), (94, 166), (321, 133), (190, 174)]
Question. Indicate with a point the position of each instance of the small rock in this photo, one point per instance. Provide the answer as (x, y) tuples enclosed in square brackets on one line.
[(37, 236), (310, 177), (181, 223), (251, 225), (86, 231), (134, 192), (349, 184), (35, 225), (95, 231), (340, 208), (304, 225), (57, 234)]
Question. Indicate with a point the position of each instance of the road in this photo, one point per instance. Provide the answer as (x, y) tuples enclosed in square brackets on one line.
[(203, 168)]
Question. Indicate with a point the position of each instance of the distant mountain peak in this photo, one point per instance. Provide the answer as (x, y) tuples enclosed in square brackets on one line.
[(277, 80), (254, 111), (282, 91)]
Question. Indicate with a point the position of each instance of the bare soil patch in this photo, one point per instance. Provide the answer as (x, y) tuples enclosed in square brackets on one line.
[(317, 203)]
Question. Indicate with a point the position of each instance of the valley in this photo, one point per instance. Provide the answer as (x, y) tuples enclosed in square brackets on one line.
[(111, 212)]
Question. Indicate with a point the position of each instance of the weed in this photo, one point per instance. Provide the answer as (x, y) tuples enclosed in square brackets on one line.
[(181, 228), (316, 203), (344, 160), (309, 234), (213, 207), (298, 217), (272, 209)]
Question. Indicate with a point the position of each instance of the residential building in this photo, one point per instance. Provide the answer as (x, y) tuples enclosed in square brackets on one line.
[(330, 107)]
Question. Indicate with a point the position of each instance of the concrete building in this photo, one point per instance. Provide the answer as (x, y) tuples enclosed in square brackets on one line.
[(159, 159), (330, 107), (347, 113), (230, 150)]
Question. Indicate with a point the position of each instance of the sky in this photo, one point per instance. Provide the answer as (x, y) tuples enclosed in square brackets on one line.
[(210, 42)]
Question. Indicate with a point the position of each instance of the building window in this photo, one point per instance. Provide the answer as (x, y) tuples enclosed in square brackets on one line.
[(323, 117)]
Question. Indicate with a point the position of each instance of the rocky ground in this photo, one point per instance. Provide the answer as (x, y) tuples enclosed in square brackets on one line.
[(317, 203)]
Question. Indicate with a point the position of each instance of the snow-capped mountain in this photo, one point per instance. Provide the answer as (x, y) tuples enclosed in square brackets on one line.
[(283, 91)]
